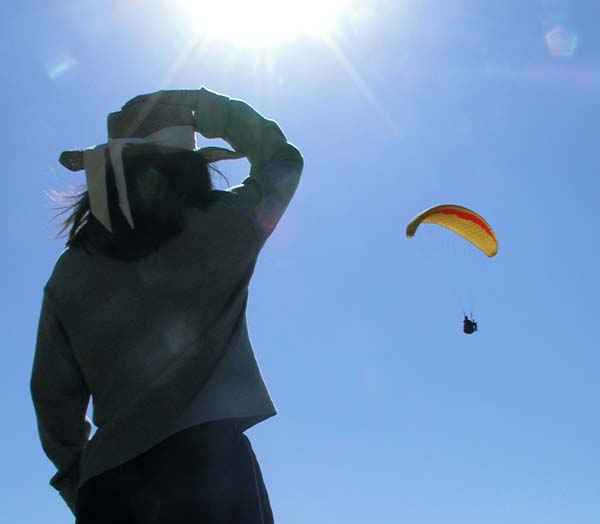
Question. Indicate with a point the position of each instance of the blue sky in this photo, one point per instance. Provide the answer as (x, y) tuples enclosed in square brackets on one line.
[(387, 412)]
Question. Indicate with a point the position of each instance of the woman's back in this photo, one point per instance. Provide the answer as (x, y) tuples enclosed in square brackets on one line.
[(133, 325)]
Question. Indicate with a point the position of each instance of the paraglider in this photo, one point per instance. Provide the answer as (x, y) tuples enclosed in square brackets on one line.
[(466, 223)]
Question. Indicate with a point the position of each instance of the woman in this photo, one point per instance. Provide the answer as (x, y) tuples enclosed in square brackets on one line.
[(145, 312)]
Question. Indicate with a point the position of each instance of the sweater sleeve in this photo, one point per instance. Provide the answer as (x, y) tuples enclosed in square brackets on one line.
[(60, 398), (276, 165)]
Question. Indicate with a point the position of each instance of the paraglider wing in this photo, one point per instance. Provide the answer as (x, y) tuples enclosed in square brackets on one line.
[(462, 221)]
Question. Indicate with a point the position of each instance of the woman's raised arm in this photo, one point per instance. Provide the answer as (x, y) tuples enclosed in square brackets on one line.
[(276, 164)]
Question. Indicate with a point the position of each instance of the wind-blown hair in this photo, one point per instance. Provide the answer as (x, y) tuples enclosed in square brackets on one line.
[(159, 187)]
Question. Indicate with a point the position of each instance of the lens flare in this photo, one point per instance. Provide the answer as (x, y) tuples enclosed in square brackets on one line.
[(151, 184), (61, 66), (561, 42)]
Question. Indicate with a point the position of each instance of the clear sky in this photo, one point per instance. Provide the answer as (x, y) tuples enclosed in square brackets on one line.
[(387, 412)]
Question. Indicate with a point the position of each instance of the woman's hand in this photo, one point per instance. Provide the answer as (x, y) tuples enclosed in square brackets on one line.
[(173, 97), (211, 110)]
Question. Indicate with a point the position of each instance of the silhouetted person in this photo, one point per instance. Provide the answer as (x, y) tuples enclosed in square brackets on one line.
[(145, 312)]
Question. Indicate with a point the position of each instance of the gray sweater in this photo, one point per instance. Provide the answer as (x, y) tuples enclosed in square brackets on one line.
[(160, 344)]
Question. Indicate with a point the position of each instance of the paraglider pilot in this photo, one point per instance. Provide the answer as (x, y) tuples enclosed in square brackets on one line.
[(469, 325)]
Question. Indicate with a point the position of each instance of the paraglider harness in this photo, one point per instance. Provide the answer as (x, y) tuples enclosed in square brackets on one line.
[(469, 325)]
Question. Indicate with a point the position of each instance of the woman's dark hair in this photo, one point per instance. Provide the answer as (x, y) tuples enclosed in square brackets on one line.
[(159, 186)]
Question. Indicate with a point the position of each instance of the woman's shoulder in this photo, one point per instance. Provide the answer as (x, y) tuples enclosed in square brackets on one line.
[(68, 257), (222, 205), (74, 256), (74, 269)]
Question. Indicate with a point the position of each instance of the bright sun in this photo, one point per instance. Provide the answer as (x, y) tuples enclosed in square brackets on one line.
[(261, 22)]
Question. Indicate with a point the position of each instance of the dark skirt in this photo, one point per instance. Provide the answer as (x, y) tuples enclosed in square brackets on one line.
[(207, 474)]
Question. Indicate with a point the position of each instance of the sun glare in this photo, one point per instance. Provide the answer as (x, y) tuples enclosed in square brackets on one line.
[(261, 22)]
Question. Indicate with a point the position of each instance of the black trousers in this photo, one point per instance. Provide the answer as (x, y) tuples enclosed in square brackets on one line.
[(207, 474)]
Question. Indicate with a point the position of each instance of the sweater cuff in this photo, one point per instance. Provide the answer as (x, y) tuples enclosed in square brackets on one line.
[(69, 495), (66, 483)]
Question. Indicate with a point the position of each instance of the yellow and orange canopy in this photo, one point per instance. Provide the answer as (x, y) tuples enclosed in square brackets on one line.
[(462, 221)]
